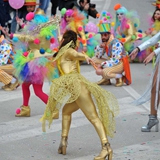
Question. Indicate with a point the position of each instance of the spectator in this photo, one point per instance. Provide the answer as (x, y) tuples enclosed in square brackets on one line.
[(21, 13), (2, 13), (88, 8), (29, 6), (7, 13)]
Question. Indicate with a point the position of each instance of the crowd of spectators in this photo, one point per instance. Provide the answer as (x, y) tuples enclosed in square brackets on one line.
[(10, 16), (12, 20)]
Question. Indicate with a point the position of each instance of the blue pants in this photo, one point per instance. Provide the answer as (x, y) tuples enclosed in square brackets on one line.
[(44, 4)]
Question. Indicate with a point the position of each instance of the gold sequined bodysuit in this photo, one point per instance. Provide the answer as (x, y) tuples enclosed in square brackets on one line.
[(71, 86)]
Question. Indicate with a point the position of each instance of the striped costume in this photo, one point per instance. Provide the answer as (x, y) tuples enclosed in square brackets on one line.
[(4, 77)]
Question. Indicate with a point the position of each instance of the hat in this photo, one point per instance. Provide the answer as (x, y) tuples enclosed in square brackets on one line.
[(157, 3), (105, 22), (30, 3), (120, 9)]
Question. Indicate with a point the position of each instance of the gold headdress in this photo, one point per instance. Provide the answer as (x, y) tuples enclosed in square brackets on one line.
[(39, 11)]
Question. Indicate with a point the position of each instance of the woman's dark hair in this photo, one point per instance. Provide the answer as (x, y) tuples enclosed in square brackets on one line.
[(158, 9), (69, 36)]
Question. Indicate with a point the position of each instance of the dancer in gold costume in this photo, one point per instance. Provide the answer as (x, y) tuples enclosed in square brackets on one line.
[(73, 91)]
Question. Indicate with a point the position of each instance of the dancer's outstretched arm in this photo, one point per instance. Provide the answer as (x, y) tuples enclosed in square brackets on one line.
[(152, 41)]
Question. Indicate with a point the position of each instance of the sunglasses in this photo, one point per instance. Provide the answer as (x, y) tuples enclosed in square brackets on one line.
[(118, 14)]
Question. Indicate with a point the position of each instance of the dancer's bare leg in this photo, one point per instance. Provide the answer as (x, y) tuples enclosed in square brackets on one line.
[(153, 111)]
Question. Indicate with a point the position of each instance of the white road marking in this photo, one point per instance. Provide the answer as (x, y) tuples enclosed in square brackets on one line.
[(30, 127), (107, 5), (134, 94)]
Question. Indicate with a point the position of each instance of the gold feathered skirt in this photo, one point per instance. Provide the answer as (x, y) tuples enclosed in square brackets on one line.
[(67, 88)]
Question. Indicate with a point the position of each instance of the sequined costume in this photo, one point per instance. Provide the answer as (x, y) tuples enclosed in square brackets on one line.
[(72, 92)]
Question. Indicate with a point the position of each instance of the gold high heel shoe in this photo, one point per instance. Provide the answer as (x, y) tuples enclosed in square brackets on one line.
[(106, 151), (63, 146), (55, 114)]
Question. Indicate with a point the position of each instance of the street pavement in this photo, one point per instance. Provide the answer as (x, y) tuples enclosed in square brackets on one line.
[(23, 139)]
